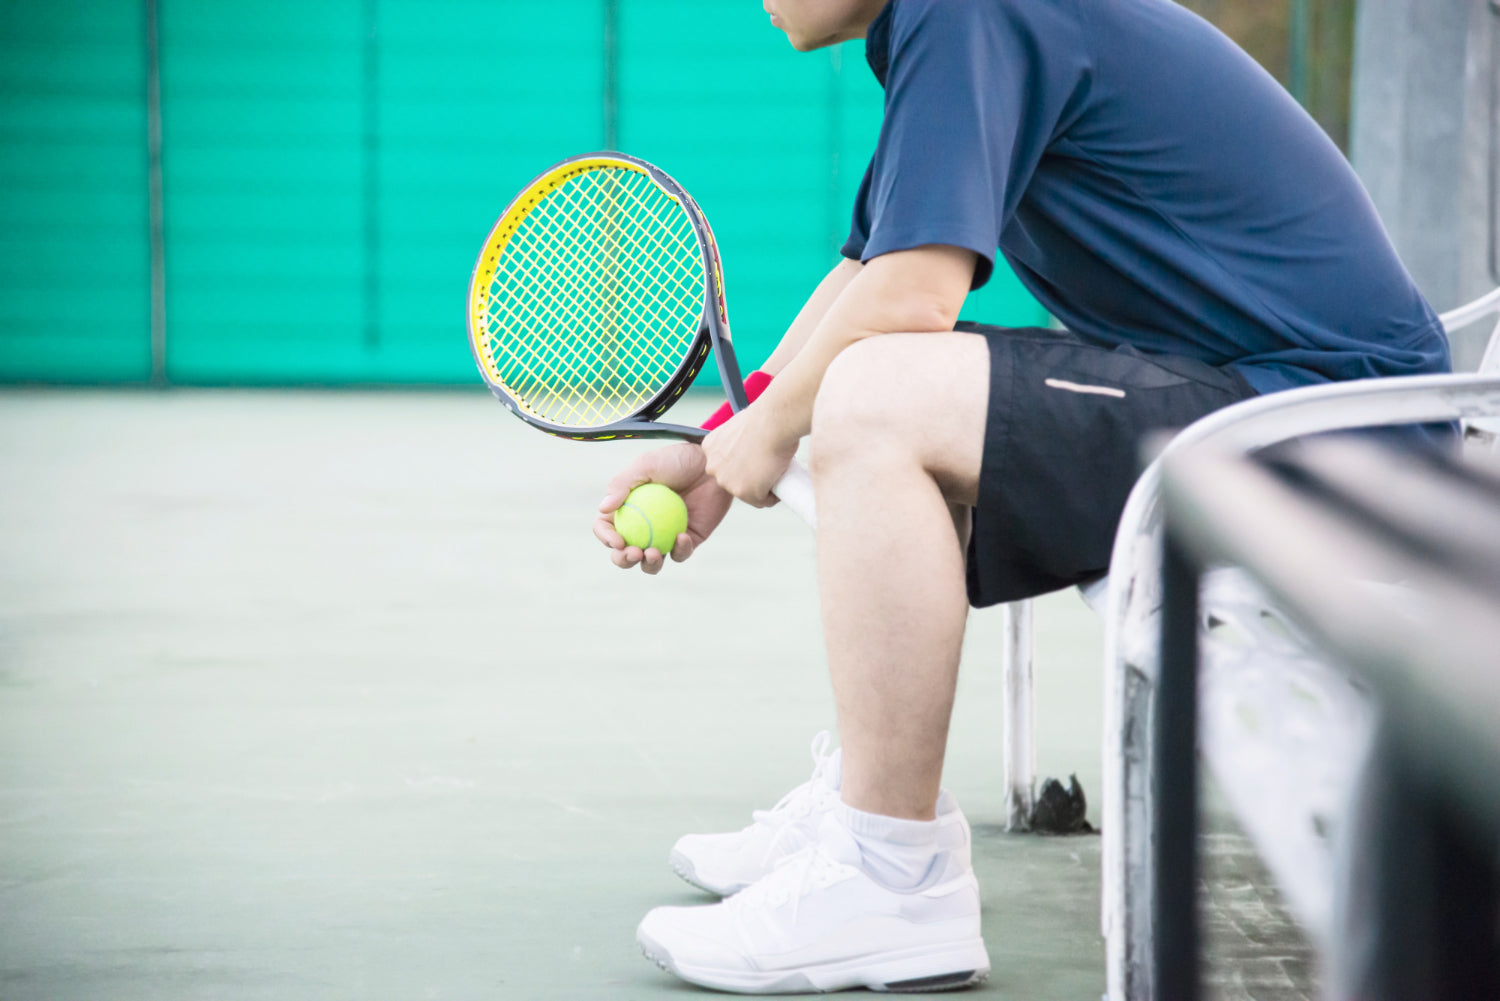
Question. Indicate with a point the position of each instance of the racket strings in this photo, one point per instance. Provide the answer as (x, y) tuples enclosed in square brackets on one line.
[(571, 295), (661, 302), (650, 304), (608, 373), (596, 299)]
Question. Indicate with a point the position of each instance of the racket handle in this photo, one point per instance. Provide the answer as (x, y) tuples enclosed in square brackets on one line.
[(795, 490)]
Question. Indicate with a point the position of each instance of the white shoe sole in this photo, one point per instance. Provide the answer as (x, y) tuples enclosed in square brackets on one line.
[(926, 969), (683, 867)]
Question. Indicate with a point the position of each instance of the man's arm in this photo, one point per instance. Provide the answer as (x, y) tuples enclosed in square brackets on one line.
[(908, 291), (681, 466), (811, 314)]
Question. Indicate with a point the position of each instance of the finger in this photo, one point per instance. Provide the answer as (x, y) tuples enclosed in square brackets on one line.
[(764, 500), (617, 491), (767, 499), (624, 481), (682, 548), (604, 531), (627, 557), (654, 561)]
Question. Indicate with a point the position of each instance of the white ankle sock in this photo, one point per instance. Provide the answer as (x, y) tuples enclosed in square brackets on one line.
[(895, 852)]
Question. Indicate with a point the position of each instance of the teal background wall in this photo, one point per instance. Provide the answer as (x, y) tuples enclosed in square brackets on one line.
[(74, 253), (329, 170)]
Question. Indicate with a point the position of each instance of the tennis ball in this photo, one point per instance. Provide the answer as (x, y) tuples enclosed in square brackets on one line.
[(652, 515)]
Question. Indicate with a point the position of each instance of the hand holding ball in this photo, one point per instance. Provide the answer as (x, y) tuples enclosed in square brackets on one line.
[(651, 517)]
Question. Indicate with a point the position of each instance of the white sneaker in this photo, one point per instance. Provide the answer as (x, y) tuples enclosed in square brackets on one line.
[(819, 923), (727, 863)]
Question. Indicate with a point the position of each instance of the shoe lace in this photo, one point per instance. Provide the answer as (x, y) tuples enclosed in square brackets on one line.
[(799, 804), (798, 874)]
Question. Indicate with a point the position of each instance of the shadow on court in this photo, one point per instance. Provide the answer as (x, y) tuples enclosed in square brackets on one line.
[(332, 694)]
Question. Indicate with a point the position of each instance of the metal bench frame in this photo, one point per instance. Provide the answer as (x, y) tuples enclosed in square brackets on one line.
[(1409, 864), (1131, 603)]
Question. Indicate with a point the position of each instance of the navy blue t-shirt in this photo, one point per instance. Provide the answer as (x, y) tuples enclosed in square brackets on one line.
[(1145, 179)]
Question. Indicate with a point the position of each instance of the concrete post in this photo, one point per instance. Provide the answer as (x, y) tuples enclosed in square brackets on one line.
[(1424, 131)]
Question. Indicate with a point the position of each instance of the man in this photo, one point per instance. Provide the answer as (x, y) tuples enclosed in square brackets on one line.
[(1201, 241)]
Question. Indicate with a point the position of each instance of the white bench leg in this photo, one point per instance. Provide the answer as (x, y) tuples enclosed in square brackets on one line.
[(1020, 734)]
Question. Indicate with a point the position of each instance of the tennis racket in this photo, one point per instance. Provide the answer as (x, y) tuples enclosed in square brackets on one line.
[(596, 300)]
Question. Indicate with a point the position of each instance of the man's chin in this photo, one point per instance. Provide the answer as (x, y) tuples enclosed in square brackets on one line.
[(810, 44)]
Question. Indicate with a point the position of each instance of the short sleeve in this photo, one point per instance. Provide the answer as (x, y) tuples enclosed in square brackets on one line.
[(975, 89), (859, 228)]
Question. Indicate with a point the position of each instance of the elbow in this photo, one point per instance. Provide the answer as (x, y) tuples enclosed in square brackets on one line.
[(909, 318), (918, 291), (937, 314), (916, 314)]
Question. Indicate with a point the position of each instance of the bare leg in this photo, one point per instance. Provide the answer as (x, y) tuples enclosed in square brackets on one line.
[(898, 434)]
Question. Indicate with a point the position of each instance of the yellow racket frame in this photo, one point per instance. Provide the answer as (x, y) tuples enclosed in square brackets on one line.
[(618, 410)]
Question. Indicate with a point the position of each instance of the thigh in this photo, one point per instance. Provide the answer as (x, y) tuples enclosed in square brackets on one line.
[(924, 394), (1065, 425)]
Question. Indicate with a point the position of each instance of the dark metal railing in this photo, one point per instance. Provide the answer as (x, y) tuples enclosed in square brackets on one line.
[(1420, 892)]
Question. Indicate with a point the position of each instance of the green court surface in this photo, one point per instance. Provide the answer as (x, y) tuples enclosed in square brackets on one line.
[(333, 695)]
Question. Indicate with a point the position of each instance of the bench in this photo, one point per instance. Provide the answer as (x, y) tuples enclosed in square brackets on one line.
[(1414, 879), (1289, 693)]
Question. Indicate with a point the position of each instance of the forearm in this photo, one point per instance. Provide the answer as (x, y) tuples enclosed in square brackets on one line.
[(801, 329), (914, 291), (811, 314)]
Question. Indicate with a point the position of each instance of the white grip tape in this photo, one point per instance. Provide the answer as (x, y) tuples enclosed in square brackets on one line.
[(795, 490)]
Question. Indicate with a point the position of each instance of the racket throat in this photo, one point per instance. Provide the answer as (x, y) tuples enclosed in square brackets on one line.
[(729, 371)]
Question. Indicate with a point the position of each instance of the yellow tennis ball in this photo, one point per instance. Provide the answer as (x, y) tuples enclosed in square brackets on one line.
[(652, 515)]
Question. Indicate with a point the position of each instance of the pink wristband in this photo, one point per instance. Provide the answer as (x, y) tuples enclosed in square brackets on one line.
[(755, 384)]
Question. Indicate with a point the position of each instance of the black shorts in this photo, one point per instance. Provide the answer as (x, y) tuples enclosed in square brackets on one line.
[(1062, 449)]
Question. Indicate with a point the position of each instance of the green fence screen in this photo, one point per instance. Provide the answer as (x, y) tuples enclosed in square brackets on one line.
[(329, 169), (74, 253)]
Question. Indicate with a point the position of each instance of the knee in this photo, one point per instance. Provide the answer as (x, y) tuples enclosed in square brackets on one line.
[(856, 413)]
